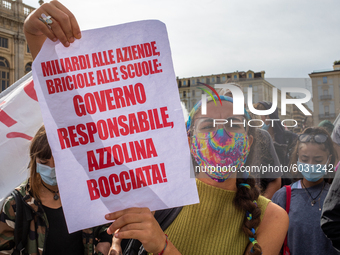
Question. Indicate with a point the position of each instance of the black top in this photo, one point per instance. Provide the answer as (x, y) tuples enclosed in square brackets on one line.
[(330, 218), (59, 241)]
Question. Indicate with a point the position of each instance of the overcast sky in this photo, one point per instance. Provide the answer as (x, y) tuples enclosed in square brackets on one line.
[(285, 38)]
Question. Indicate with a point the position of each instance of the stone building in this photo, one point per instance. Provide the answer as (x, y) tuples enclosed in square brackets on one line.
[(190, 89), (15, 57), (326, 93)]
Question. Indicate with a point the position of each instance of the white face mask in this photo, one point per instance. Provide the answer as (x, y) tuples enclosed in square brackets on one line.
[(47, 174)]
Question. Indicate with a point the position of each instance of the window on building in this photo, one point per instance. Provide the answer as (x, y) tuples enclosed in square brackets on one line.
[(223, 78), (235, 77), (28, 68), (326, 110), (324, 79), (26, 11), (7, 5), (4, 73), (193, 82), (250, 75), (202, 79), (325, 92), (213, 79), (184, 83), (184, 94), (3, 42)]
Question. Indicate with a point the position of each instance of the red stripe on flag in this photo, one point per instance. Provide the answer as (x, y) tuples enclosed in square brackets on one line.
[(6, 119), (30, 91), (20, 135)]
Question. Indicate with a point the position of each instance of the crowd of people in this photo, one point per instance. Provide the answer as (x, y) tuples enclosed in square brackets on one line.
[(238, 213)]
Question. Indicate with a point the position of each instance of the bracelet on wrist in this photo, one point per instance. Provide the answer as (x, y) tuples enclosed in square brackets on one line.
[(166, 244)]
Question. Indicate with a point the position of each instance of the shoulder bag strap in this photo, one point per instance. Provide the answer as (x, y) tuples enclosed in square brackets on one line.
[(23, 217), (288, 198)]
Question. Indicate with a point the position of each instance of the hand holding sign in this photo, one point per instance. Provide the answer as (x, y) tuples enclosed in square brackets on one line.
[(140, 224), (114, 122), (64, 26)]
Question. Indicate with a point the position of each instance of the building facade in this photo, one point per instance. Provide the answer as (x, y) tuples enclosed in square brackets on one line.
[(15, 57), (190, 89), (326, 94)]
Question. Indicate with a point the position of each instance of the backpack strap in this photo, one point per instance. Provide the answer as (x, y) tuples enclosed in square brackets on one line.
[(288, 198), (164, 218), (23, 217)]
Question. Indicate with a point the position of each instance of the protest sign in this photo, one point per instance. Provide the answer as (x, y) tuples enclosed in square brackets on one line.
[(20, 118), (114, 121)]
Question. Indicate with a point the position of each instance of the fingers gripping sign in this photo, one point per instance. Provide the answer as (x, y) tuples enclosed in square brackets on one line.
[(51, 20), (138, 223)]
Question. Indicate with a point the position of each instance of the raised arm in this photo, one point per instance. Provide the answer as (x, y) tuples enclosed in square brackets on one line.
[(64, 26)]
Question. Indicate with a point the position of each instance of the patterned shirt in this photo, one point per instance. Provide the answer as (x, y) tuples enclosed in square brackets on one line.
[(39, 226)]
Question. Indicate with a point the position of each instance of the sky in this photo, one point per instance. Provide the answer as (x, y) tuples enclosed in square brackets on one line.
[(284, 38)]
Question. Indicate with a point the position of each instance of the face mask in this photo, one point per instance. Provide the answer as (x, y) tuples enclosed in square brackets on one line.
[(221, 154), (47, 174), (312, 172), (265, 126)]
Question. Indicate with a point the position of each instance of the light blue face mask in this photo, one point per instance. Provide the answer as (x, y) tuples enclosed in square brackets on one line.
[(312, 172), (47, 174), (265, 126)]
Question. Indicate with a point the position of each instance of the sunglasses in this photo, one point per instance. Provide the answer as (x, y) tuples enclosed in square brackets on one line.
[(319, 138)]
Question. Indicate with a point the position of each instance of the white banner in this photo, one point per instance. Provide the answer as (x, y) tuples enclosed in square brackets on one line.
[(20, 118), (114, 121)]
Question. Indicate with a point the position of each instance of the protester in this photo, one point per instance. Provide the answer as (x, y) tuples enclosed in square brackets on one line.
[(330, 217), (270, 180), (283, 139), (336, 136), (313, 156), (48, 232), (326, 124), (231, 214)]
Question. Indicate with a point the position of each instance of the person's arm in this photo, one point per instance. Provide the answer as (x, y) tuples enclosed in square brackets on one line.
[(330, 216), (64, 26), (272, 187), (272, 230), (7, 222), (140, 224)]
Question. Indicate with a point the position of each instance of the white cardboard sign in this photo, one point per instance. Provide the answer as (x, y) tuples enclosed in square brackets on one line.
[(114, 122)]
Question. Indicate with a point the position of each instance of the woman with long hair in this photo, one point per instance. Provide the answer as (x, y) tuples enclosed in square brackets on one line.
[(48, 232), (231, 218), (313, 159)]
